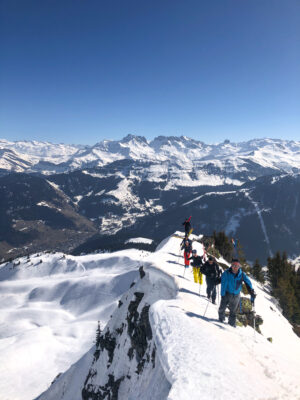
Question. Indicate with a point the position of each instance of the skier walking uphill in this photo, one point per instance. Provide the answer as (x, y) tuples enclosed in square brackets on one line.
[(196, 264), (186, 244), (212, 272), (231, 285), (187, 226)]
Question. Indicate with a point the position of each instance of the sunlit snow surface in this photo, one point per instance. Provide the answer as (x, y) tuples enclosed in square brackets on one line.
[(176, 156), (139, 240), (50, 312)]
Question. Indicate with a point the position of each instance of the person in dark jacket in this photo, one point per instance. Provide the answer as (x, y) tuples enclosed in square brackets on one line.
[(186, 245), (187, 226), (212, 272), (196, 264), (231, 285)]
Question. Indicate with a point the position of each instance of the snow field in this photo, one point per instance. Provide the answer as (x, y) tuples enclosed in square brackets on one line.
[(49, 314)]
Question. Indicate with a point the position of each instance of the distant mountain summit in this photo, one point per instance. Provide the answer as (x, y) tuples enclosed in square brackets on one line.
[(275, 154), (248, 189)]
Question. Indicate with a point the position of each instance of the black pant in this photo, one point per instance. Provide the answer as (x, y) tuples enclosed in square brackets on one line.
[(211, 288), (232, 301)]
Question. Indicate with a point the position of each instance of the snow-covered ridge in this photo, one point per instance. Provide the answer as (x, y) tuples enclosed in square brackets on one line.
[(50, 304), (139, 240), (182, 152), (158, 345)]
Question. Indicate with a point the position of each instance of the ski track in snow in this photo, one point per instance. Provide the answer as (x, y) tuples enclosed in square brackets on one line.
[(207, 194), (263, 226), (50, 312)]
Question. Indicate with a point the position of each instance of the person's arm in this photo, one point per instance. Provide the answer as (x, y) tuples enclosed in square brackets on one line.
[(224, 281), (249, 287), (247, 282), (203, 269)]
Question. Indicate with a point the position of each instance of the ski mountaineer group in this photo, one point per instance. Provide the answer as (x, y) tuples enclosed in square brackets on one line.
[(231, 280)]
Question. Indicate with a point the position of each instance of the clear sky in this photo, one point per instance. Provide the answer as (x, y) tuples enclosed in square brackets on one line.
[(79, 71)]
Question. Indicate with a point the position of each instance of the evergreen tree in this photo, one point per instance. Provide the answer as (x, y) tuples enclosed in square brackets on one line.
[(257, 272), (226, 248), (98, 335), (274, 269), (285, 283), (224, 245), (286, 296)]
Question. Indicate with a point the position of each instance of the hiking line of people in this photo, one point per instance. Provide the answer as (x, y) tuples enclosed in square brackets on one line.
[(231, 279)]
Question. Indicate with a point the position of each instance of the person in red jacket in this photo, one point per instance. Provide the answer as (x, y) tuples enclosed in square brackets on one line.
[(186, 245)]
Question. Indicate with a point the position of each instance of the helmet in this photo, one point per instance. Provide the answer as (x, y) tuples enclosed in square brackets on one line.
[(194, 251)]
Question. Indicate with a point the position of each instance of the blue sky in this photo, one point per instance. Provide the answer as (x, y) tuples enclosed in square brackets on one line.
[(79, 71)]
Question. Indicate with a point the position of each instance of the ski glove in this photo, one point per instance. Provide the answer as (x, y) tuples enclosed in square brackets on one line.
[(253, 295)]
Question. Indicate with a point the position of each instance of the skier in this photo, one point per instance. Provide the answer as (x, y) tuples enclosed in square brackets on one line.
[(231, 285), (186, 244), (196, 264), (212, 272), (187, 227)]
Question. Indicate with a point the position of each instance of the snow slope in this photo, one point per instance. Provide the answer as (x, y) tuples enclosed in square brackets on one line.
[(50, 305), (197, 357)]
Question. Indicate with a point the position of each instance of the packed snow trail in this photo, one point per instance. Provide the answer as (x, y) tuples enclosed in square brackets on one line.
[(203, 358)]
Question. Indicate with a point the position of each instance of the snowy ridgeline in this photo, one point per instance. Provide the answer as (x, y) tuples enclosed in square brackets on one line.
[(49, 158), (156, 345)]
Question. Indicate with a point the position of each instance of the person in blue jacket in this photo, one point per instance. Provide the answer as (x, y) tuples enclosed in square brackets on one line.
[(231, 286)]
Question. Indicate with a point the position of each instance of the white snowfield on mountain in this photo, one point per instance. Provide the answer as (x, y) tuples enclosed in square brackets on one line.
[(139, 240), (49, 319), (181, 152)]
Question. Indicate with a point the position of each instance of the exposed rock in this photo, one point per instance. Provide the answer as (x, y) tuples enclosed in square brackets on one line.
[(142, 272), (246, 316), (139, 331), (109, 391), (108, 342)]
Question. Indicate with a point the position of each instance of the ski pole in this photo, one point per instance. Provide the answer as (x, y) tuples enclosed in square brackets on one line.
[(254, 327), (184, 268), (206, 308), (179, 254)]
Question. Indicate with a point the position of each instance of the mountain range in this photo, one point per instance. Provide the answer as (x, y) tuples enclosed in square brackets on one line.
[(85, 198)]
